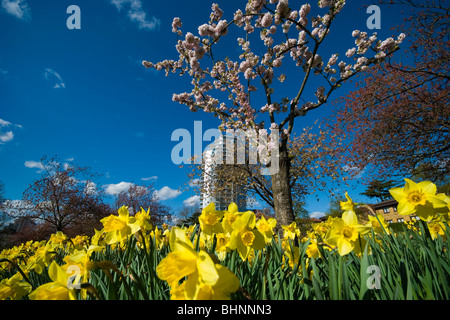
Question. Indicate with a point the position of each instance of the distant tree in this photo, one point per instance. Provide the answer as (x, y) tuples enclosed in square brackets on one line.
[(142, 196), (300, 210), (398, 118), (189, 215), (442, 182), (2, 200), (379, 189), (2, 192), (65, 195)]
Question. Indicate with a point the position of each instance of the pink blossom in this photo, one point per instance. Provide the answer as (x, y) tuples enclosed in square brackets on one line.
[(176, 23), (206, 30), (350, 52), (221, 28), (217, 13), (277, 62), (304, 10), (283, 8), (238, 18), (267, 20)]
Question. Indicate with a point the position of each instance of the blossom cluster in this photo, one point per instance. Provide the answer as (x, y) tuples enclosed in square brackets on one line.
[(301, 38)]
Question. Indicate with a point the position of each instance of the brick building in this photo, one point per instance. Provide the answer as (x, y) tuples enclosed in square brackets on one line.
[(388, 209)]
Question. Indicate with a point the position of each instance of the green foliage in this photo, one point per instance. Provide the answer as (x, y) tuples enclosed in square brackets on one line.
[(410, 266), (379, 189)]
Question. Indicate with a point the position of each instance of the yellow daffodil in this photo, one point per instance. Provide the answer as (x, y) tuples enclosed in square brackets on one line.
[(210, 220), (436, 228), (222, 245), (348, 205), (345, 232), (245, 237), (291, 252), (118, 228), (378, 224), (144, 220), (266, 228), (313, 249), (80, 241), (81, 258), (14, 288), (57, 289), (444, 212), (157, 236), (419, 198), (58, 238), (205, 279), (195, 289), (42, 257), (98, 238), (290, 231), (230, 217)]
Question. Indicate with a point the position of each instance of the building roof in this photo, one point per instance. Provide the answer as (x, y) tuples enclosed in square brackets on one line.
[(382, 204)]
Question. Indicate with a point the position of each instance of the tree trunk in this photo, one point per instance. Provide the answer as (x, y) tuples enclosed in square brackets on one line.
[(281, 189)]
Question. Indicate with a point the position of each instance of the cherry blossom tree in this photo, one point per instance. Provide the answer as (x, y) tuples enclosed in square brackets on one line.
[(278, 39)]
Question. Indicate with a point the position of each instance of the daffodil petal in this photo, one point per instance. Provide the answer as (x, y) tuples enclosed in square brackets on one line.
[(398, 194), (350, 218), (427, 187), (405, 208), (206, 268), (344, 247), (176, 265)]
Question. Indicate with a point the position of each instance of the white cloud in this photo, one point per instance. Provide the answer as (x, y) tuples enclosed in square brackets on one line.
[(15, 208), (8, 135), (5, 137), (316, 214), (152, 178), (195, 183), (117, 188), (166, 193), (192, 201), (34, 164), (4, 123), (253, 203), (354, 171), (90, 188), (53, 76), (136, 14), (17, 8)]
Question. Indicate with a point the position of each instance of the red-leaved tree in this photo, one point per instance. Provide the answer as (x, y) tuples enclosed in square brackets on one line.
[(398, 118)]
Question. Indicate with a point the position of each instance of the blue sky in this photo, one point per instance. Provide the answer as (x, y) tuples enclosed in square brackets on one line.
[(84, 95)]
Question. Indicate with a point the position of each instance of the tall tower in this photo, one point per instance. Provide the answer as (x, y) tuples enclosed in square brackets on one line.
[(209, 181)]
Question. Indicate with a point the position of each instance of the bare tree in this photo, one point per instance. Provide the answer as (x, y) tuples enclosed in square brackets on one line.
[(142, 196), (65, 195), (398, 117)]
